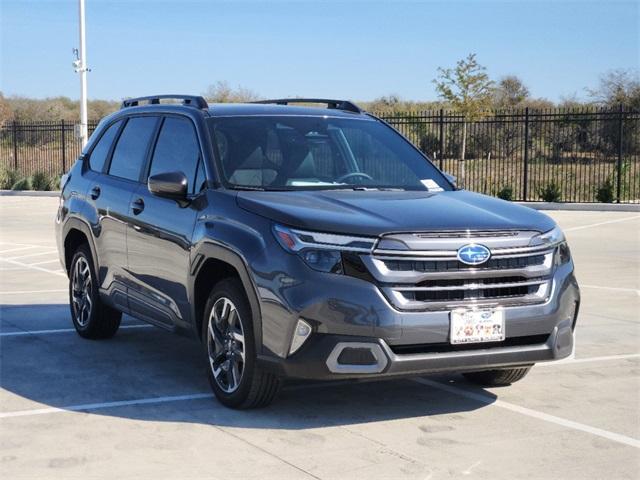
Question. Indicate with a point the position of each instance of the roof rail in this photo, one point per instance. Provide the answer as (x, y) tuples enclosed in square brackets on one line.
[(337, 104), (187, 100)]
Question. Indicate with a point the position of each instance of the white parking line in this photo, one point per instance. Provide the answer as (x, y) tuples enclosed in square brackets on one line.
[(33, 267), (59, 330), (97, 406), (45, 261), (25, 292), (582, 227), (615, 437), (588, 360), (614, 289), (17, 249), (47, 252)]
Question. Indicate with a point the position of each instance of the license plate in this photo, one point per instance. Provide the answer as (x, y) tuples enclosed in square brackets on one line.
[(476, 326)]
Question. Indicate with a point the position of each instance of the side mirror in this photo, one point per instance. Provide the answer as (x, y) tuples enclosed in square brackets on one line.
[(452, 178), (169, 185)]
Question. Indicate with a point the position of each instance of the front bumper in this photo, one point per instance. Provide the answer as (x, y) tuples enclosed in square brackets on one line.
[(317, 358)]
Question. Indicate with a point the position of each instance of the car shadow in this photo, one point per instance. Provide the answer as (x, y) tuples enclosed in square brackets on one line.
[(62, 370)]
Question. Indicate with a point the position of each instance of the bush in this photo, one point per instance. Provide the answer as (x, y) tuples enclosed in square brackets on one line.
[(40, 181), (22, 184), (505, 193), (54, 182), (7, 178), (551, 192), (604, 193)]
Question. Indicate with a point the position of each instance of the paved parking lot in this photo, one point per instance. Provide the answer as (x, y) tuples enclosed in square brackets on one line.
[(138, 406)]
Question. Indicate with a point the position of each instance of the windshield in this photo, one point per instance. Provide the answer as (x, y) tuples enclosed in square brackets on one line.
[(302, 153)]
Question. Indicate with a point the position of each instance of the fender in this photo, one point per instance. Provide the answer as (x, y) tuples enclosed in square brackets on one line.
[(78, 224), (209, 249)]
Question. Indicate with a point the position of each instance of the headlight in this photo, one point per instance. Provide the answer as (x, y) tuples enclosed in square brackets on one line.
[(550, 238), (554, 238), (320, 251)]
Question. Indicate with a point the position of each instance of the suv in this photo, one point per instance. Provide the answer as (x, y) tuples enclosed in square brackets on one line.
[(303, 242)]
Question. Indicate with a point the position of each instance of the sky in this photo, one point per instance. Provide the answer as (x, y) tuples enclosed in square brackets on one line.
[(340, 49)]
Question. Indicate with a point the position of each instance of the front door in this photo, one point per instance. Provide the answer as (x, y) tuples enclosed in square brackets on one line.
[(160, 233)]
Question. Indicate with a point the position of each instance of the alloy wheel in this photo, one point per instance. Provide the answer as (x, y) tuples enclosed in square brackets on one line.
[(81, 286), (225, 345)]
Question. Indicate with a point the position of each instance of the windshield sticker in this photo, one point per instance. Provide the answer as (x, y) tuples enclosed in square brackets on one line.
[(431, 185)]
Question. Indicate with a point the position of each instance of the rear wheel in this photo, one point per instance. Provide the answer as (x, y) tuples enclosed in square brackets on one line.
[(91, 318), (227, 332), (497, 378)]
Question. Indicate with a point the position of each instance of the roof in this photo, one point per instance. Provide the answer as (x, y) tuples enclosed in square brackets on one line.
[(245, 109)]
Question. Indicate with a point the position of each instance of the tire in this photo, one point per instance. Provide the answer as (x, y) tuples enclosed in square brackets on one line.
[(91, 318), (229, 344), (497, 378)]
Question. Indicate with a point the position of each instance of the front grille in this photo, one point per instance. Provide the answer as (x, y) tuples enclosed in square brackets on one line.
[(447, 347), (455, 265), (429, 276)]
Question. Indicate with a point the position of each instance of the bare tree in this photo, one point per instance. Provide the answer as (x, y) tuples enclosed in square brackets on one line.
[(468, 89), (618, 87), (222, 92), (510, 92)]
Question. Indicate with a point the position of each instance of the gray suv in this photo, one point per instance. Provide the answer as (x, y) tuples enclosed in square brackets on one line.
[(303, 242)]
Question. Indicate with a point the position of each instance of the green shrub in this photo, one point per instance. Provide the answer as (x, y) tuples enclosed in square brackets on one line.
[(552, 192), (604, 193), (505, 193), (22, 184), (40, 181), (54, 182), (7, 178)]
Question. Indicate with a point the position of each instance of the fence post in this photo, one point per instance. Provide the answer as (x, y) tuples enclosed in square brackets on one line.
[(64, 147), (619, 165), (525, 174), (441, 137), (15, 145)]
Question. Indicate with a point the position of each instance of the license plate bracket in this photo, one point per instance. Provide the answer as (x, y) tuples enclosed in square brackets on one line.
[(479, 325)]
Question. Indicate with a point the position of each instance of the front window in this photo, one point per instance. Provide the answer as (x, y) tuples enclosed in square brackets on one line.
[(301, 153)]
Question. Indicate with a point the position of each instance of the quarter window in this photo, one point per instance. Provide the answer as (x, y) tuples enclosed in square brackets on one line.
[(131, 149), (177, 150)]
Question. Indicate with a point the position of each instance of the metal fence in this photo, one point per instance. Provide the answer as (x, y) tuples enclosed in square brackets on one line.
[(566, 155)]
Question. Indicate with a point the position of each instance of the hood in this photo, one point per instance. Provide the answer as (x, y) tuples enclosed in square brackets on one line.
[(373, 213)]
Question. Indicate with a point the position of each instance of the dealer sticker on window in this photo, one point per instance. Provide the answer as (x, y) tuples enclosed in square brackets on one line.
[(431, 185)]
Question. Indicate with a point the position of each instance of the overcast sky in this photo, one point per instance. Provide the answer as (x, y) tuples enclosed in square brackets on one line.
[(357, 49)]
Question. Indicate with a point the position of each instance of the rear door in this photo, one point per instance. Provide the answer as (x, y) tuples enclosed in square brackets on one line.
[(160, 233), (111, 194)]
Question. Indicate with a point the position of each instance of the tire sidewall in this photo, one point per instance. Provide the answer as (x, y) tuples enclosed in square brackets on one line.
[(83, 252), (232, 290)]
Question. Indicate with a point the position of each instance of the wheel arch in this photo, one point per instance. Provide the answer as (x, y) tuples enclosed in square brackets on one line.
[(76, 232), (212, 263)]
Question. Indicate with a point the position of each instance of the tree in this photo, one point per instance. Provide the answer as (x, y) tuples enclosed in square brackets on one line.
[(468, 89), (222, 92), (511, 92), (5, 110), (618, 87)]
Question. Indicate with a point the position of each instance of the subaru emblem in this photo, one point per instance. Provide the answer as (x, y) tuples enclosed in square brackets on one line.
[(473, 254)]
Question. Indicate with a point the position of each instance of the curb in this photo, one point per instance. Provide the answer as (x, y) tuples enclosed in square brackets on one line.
[(583, 207), (29, 193)]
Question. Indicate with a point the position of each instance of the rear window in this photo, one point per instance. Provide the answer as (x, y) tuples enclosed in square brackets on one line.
[(131, 149), (101, 150)]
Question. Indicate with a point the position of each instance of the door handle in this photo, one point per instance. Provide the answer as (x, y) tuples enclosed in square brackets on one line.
[(95, 192), (137, 206)]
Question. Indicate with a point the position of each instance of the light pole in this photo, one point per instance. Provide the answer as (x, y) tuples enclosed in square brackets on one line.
[(80, 65)]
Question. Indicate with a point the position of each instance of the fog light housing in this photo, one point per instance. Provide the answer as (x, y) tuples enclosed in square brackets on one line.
[(300, 335)]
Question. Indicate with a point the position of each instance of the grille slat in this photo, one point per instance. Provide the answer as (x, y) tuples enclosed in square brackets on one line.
[(437, 280)]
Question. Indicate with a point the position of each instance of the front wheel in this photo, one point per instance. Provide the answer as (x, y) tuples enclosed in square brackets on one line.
[(497, 378), (227, 332)]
